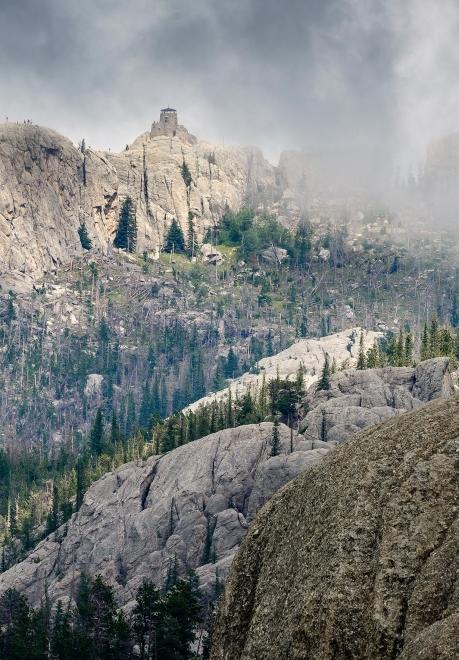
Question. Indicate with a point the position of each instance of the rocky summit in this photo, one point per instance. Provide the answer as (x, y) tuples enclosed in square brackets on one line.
[(357, 557), (49, 187)]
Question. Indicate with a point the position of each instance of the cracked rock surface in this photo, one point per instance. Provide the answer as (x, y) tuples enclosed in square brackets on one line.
[(357, 557), (360, 399), (191, 506)]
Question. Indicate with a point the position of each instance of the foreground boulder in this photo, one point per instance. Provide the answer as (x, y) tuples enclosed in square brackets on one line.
[(357, 557), (188, 509)]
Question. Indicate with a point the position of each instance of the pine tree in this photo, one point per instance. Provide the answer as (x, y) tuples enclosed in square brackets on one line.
[(175, 241), (126, 233), (323, 427), (81, 482), (169, 439), (324, 381), (230, 411), (361, 362), (231, 366), (425, 352), (53, 516), (85, 241), (433, 338), (275, 440), (262, 404), (14, 626), (10, 310), (445, 342), (186, 174), (191, 242), (372, 357), (96, 436), (299, 381), (400, 349), (131, 416), (219, 380), (181, 616), (302, 244), (408, 350), (392, 351), (62, 639), (146, 619)]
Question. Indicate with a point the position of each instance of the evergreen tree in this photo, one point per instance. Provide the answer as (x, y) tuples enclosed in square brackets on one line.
[(302, 244), (433, 338), (231, 366), (445, 342), (372, 357), (361, 361), (323, 427), (85, 241), (130, 425), (146, 619), (126, 233), (230, 411), (62, 640), (81, 482), (275, 440), (191, 242), (186, 174), (454, 314), (425, 352), (14, 626), (53, 516), (324, 381), (181, 616), (408, 350), (96, 436), (219, 380), (10, 309), (400, 349), (115, 433), (392, 351), (175, 241), (169, 439)]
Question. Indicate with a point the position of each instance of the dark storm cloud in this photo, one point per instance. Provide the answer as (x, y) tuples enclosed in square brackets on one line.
[(328, 74)]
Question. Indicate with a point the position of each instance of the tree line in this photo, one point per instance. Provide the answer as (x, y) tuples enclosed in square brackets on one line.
[(165, 624)]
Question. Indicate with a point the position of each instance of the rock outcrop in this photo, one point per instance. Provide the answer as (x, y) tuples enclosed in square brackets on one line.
[(359, 399), (190, 507), (48, 187), (357, 557), (309, 354)]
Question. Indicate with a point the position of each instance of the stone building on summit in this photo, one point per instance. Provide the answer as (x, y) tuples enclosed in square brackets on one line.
[(168, 126)]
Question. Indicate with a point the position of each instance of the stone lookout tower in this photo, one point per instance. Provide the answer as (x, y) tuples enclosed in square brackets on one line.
[(168, 126)]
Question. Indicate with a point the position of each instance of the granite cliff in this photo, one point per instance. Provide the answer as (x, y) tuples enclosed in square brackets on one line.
[(48, 187)]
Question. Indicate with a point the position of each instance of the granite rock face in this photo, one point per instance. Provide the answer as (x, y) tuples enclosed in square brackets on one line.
[(359, 399), (48, 187), (309, 354), (357, 557), (191, 507)]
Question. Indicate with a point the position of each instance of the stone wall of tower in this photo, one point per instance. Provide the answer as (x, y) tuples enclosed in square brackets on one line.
[(168, 126)]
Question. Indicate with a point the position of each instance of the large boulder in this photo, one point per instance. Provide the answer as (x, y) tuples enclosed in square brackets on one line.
[(360, 399), (357, 557), (189, 508)]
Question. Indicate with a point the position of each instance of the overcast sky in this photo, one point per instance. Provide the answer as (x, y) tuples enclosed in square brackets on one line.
[(314, 74)]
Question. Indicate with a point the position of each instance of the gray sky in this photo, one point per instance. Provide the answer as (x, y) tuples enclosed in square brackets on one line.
[(370, 75)]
